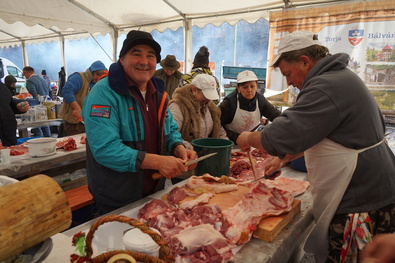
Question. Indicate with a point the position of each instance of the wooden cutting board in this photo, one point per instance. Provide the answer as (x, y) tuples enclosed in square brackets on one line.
[(269, 227)]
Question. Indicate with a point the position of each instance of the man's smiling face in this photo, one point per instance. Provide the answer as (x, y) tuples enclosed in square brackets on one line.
[(139, 64)]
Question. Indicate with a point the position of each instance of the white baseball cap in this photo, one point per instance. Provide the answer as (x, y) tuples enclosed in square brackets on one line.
[(207, 84), (245, 76), (295, 41)]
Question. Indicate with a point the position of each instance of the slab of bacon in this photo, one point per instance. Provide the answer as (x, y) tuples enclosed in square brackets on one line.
[(199, 185), (68, 144), (184, 225), (242, 219), (294, 186), (201, 243)]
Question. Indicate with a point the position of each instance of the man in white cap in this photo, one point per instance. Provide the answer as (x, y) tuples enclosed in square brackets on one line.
[(350, 167), (195, 112)]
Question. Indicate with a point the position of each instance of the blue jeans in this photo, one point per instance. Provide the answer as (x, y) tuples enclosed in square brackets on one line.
[(43, 131)]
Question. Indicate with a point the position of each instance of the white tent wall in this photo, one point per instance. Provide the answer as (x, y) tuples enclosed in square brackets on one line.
[(56, 20)]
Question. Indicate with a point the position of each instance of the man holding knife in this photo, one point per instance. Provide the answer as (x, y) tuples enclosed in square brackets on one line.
[(337, 124), (130, 131)]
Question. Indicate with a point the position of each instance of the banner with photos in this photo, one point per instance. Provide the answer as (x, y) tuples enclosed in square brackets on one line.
[(365, 30)]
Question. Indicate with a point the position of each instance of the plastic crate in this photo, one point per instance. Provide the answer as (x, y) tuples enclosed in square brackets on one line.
[(231, 72), (227, 91)]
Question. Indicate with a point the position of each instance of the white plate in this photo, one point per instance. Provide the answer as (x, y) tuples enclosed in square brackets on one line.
[(43, 155)]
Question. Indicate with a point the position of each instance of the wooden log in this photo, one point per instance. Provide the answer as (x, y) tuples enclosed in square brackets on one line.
[(32, 210)]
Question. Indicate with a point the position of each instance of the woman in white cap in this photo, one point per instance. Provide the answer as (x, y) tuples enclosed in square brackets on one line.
[(195, 112), (243, 109)]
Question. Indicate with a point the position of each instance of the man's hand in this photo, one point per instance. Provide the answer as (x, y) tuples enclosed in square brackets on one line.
[(23, 106), (246, 140), (242, 141), (167, 166), (77, 112), (186, 155), (381, 250), (274, 165)]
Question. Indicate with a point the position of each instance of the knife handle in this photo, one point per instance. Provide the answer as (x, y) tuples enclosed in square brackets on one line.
[(156, 176), (273, 175)]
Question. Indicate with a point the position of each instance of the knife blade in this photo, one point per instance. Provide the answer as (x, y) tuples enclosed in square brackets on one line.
[(200, 159), (157, 176)]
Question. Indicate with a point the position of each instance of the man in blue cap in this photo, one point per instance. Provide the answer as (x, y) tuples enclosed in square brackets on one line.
[(74, 92)]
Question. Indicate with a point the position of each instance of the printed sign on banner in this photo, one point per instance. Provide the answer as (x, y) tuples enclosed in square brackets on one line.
[(370, 42)]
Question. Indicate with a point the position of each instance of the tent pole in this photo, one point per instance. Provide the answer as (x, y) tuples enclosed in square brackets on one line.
[(187, 45), (24, 54), (114, 38), (61, 44)]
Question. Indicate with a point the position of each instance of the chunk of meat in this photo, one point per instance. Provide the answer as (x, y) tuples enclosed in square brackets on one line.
[(258, 153), (223, 179), (238, 167), (294, 186), (198, 185), (206, 214), (176, 195), (83, 139), (201, 199), (242, 219), (16, 150), (152, 209), (68, 144), (195, 238)]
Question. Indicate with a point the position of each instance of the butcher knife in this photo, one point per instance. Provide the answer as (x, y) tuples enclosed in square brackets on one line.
[(156, 176)]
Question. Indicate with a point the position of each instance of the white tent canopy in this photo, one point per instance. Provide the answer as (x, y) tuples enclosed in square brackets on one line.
[(47, 20), (26, 22)]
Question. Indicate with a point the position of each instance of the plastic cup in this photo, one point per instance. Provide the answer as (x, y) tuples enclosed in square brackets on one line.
[(5, 156), (136, 240)]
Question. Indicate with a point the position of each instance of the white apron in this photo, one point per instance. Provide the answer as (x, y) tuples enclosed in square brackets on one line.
[(244, 120), (330, 168)]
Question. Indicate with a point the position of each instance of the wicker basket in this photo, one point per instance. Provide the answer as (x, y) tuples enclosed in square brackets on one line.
[(165, 253)]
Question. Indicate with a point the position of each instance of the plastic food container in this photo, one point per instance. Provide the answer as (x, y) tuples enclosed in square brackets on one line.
[(41, 147), (136, 240)]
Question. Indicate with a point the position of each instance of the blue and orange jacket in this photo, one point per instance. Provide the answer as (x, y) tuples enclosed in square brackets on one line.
[(116, 136)]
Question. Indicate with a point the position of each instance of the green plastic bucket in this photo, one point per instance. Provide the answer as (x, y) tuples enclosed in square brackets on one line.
[(218, 164)]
